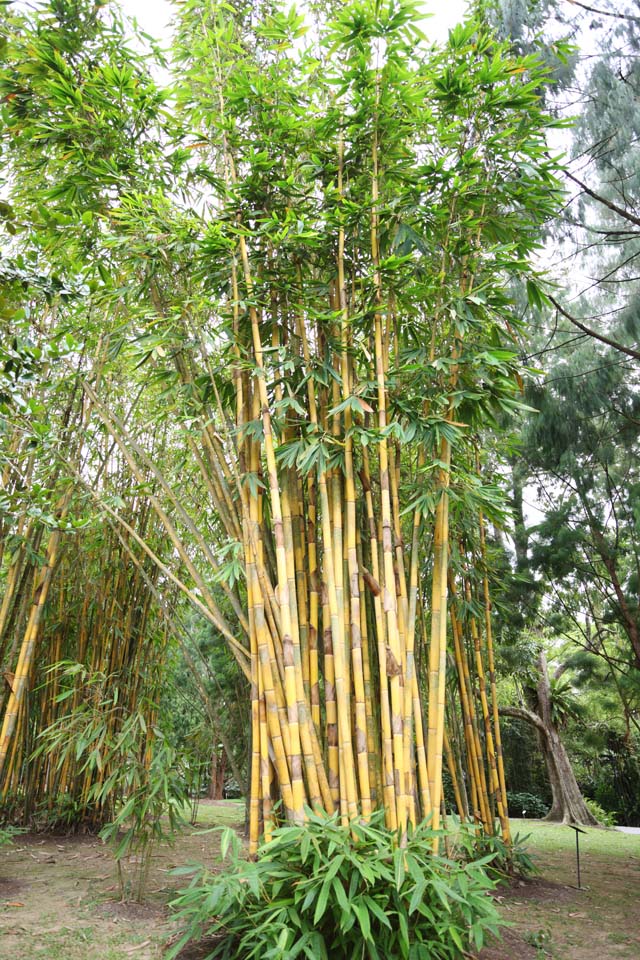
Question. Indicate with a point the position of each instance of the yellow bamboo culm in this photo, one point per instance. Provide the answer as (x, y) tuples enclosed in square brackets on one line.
[(438, 644), (28, 649), (484, 707), (502, 786), (474, 765)]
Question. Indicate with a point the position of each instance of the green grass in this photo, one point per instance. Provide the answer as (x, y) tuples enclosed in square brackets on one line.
[(598, 921), (555, 838), (61, 921), (223, 815)]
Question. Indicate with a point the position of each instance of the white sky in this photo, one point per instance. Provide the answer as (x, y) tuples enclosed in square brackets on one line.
[(154, 16)]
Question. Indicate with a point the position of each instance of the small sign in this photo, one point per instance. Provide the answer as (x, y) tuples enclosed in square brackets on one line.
[(578, 831)]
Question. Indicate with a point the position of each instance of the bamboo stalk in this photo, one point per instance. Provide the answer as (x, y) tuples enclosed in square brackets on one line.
[(504, 819)]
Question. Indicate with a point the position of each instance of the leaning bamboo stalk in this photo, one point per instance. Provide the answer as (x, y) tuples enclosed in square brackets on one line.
[(16, 616), (239, 651), (338, 730), (259, 747), (348, 795), (344, 703), (126, 448), (484, 705), (195, 671), (312, 772), (28, 648), (482, 787), (314, 603), (375, 775), (412, 716), (466, 702), (451, 764)]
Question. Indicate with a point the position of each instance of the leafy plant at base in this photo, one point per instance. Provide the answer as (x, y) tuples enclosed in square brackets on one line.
[(608, 818), (527, 805), (7, 833), (541, 940), (155, 795), (505, 858), (138, 785), (324, 889)]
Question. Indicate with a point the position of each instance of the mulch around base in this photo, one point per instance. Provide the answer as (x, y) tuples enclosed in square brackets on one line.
[(510, 947), (538, 889), (126, 910), (9, 889)]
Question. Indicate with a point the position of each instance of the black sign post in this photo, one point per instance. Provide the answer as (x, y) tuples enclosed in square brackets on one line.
[(578, 831)]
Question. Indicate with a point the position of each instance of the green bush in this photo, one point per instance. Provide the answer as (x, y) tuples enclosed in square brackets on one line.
[(323, 889), (526, 805), (139, 788), (505, 859), (606, 817), (7, 833), (151, 812)]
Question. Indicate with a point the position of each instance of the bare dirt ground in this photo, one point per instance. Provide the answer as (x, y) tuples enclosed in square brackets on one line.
[(58, 897)]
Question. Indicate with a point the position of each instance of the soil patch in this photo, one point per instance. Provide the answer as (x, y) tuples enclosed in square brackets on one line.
[(9, 889), (199, 950), (66, 888), (132, 911), (538, 889), (60, 840), (511, 947)]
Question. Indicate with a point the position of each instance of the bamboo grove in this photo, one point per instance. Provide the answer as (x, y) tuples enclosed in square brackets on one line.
[(82, 643), (310, 281)]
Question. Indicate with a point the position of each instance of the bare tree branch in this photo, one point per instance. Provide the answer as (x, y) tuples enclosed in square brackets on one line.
[(629, 351), (605, 13), (521, 713), (626, 214)]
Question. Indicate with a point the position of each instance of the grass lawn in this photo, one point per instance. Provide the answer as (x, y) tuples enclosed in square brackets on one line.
[(58, 896), (554, 919)]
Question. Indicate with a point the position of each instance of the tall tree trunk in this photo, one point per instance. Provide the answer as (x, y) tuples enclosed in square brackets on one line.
[(218, 771), (567, 804)]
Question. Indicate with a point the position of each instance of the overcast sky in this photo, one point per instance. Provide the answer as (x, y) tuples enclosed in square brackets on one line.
[(154, 16)]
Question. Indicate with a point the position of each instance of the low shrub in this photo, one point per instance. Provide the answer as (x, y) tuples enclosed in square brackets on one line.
[(151, 812), (323, 889), (526, 805), (7, 833), (505, 860), (607, 818)]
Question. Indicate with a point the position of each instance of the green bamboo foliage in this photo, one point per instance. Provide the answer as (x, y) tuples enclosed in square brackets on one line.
[(327, 320), (91, 651), (332, 286)]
